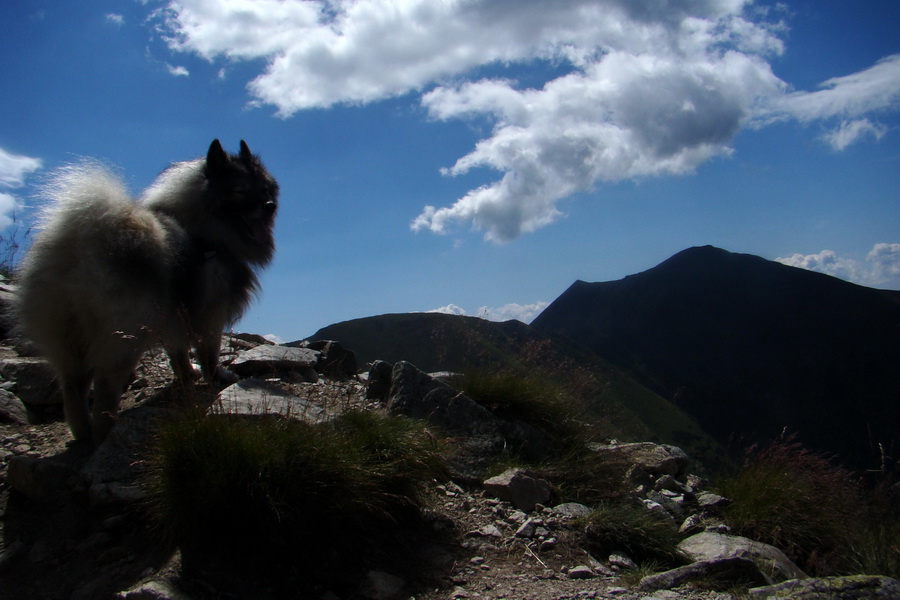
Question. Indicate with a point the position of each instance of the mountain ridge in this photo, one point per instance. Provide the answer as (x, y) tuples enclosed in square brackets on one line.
[(749, 346)]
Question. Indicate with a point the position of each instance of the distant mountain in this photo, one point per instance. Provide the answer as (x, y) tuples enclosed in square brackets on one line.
[(431, 341), (749, 346), (623, 408)]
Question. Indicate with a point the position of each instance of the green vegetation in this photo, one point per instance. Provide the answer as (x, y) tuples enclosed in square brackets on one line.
[(220, 484), (628, 526), (814, 510)]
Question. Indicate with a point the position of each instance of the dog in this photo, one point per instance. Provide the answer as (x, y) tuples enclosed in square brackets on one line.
[(107, 278)]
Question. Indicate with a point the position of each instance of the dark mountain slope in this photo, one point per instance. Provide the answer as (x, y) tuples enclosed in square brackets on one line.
[(622, 407), (750, 346)]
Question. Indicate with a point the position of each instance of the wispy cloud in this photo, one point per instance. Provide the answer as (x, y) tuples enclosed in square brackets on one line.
[(14, 170), (881, 267), (641, 88), (115, 19)]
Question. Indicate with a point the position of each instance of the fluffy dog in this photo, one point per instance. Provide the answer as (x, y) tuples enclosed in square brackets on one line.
[(108, 277)]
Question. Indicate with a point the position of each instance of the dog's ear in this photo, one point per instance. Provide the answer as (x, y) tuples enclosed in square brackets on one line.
[(216, 158), (246, 155)]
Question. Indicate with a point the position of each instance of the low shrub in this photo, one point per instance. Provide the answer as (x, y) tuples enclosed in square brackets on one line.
[(220, 484)]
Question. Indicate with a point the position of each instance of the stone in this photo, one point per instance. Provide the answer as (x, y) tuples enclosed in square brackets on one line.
[(118, 457), (153, 590), (572, 510), (379, 585), (621, 561), (734, 570), (771, 561), (653, 458), (267, 360), (854, 587), (335, 361), (710, 501), (256, 397), (580, 572), (42, 479), (35, 380), (378, 382), (520, 487), (12, 410)]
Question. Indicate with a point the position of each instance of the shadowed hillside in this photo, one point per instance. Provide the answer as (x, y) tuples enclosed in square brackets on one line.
[(750, 346), (440, 342)]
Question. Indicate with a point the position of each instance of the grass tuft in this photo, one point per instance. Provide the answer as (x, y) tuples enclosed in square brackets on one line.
[(798, 501), (630, 527), (221, 484)]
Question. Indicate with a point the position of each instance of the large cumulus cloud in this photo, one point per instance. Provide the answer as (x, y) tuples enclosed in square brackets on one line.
[(640, 87)]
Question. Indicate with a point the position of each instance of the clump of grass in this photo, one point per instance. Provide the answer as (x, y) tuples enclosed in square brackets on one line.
[(220, 484), (875, 549), (630, 527), (532, 400), (798, 501)]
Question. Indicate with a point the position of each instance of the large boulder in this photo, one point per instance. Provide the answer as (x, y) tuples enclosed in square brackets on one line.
[(519, 487), (855, 587), (269, 360), (737, 570), (654, 459), (714, 546)]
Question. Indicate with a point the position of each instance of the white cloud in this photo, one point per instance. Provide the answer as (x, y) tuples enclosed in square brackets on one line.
[(14, 169), (450, 309), (177, 71), (115, 19), (880, 269), (645, 88), (851, 131), (521, 312)]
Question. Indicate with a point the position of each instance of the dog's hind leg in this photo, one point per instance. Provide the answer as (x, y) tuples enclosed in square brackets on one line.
[(108, 389), (75, 388)]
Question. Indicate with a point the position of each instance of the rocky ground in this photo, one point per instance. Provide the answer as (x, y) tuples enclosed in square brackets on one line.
[(67, 535)]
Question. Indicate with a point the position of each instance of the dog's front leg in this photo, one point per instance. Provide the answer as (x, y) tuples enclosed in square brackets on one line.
[(208, 354)]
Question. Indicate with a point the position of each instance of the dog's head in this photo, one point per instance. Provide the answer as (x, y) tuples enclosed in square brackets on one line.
[(245, 198)]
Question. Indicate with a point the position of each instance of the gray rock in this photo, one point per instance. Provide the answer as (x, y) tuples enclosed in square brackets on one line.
[(653, 458), (11, 408), (621, 561), (855, 587), (520, 487), (735, 570), (378, 383), (409, 386), (580, 572), (118, 458), (771, 561), (379, 585), (710, 501), (572, 510), (271, 359), (153, 590), (35, 380), (42, 479), (335, 361), (254, 397)]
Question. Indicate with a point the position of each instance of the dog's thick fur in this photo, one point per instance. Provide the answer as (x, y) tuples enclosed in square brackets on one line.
[(107, 278)]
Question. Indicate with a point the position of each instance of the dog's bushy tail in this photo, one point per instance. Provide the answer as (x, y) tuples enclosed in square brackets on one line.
[(81, 191)]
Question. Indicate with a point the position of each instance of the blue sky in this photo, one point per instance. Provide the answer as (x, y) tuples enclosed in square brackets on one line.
[(477, 156)]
